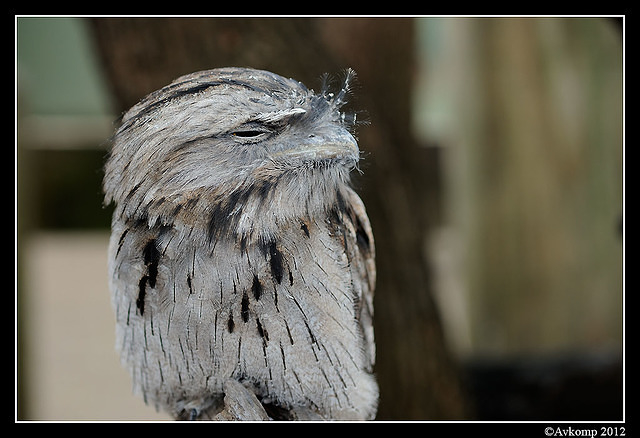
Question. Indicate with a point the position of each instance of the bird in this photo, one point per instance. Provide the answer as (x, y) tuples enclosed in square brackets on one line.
[(241, 260)]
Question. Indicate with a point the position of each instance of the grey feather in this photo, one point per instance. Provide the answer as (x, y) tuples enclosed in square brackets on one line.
[(239, 253)]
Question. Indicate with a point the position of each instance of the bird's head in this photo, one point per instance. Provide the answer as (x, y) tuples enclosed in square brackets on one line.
[(238, 150)]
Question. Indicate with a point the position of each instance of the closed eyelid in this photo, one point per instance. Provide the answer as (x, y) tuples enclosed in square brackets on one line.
[(266, 123), (249, 132)]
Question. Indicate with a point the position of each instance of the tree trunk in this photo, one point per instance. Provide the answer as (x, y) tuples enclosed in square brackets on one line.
[(417, 377)]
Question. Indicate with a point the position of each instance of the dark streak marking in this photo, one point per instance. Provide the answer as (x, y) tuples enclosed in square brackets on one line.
[(266, 362), (230, 323), (191, 202), (304, 228), (342, 205), (275, 299), (176, 209), (144, 335), (160, 371), (288, 332), (263, 189), (158, 202), (344, 384), (174, 292), (141, 294), (188, 325), (297, 378), (362, 238), (220, 220), (299, 308), (331, 386), (243, 243), (290, 279), (149, 108), (225, 213), (244, 312), (170, 318), (311, 335), (256, 287), (121, 241), (284, 363), (215, 329), (189, 284), (261, 331), (127, 199), (276, 261), (161, 97), (151, 257), (161, 343)]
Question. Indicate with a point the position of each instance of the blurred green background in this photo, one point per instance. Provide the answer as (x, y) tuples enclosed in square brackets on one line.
[(526, 117)]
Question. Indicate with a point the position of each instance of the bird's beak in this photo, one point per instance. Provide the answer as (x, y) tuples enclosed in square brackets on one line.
[(333, 144)]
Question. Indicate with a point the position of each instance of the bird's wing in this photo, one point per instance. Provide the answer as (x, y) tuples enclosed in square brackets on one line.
[(362, 257)]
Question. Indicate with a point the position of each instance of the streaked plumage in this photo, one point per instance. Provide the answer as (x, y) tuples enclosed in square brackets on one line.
[(239, 252)]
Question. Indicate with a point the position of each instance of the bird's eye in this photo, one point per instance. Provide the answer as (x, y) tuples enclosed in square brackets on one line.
[(250, 134)]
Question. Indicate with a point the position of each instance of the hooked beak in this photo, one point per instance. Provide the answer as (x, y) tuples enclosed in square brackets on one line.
[(337, 144)]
